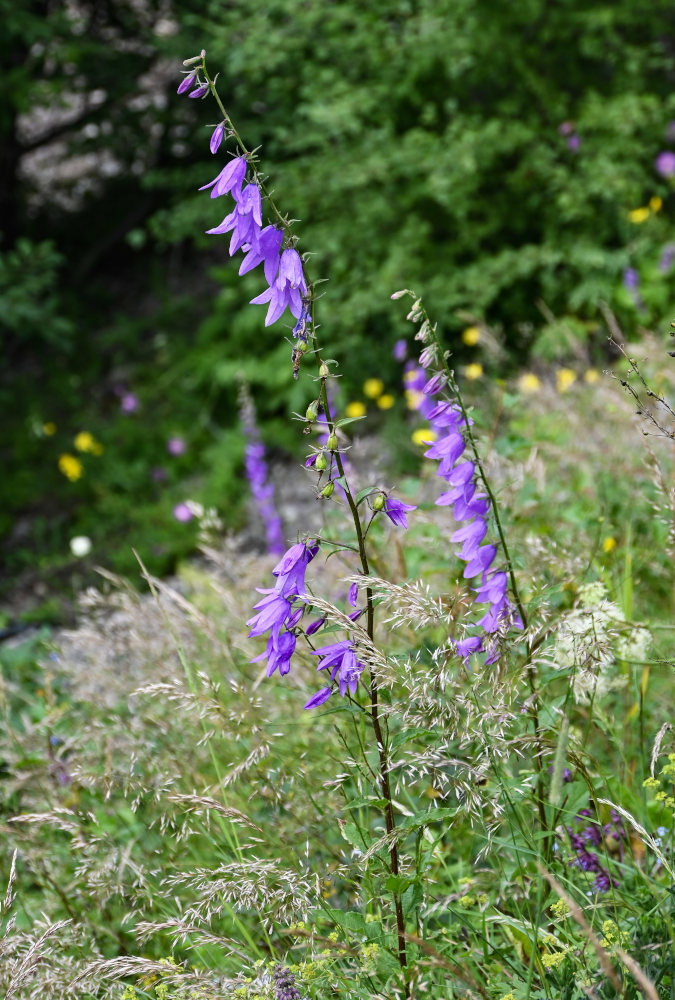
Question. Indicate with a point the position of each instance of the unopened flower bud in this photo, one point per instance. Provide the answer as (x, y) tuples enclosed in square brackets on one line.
[(332, 442), (327, 491), (186, 82), (199, 91), (312, 411), (378, 502), (302, 346), (323, 370), (194, 59), (217, 137), (321, 461)]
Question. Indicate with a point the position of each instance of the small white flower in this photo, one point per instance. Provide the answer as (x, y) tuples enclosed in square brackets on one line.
[(80, 546)]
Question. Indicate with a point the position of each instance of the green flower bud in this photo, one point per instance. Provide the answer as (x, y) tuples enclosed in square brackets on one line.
[(332, 442), (302, 346), (312, 411), (321, 462), (327, 491), (378, 502), (323, 370)]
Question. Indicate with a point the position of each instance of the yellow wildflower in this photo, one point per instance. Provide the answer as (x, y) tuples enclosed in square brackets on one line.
[(560, 908), (591, 376), (413, 399), (373, 387), (508, 996), (473, 371), (656, 203), (660, 796), (471, 335), (424, 435), (529, 382), (551, 960), (411, 375), (564, 378), (651, 783), (71, 467), (355, 409), (84, 441), (385, 401), (638, 215), (608, 544), (467, 901), (49, 429)]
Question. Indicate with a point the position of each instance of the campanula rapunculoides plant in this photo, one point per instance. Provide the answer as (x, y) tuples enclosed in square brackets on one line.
[(465, 698)]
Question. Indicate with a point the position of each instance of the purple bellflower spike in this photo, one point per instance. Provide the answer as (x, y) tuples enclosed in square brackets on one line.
[(287, 290), (267, 250), (217, 138), (396, 511), (229, 179)]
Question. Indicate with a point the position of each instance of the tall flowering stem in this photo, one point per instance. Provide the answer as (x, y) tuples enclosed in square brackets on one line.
[(433, 355), (290, 286)]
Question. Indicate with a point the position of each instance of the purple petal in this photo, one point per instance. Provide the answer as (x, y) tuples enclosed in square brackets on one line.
[(319, 698)]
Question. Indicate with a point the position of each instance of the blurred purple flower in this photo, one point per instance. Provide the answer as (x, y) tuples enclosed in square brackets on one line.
[(631, 278), (565, 128), (667, 256), (176, 446), (573, 142), (665, 164), (182, 513), (129, 403), (159, 474), (400, 350)]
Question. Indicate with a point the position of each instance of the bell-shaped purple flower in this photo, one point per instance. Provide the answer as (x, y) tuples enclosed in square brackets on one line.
[(187, 82), (396, 511), (229, 179), (287, 290), (266, 249)]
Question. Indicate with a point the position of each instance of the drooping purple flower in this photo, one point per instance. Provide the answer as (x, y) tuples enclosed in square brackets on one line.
[(200, 91), (396, 511), (217, 138), (229, 179), (323, 694), (467, 647), (314, 626), (353, 594), (665, 164), (267, 250), (187, 82), (287, 290), (244, 221)]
